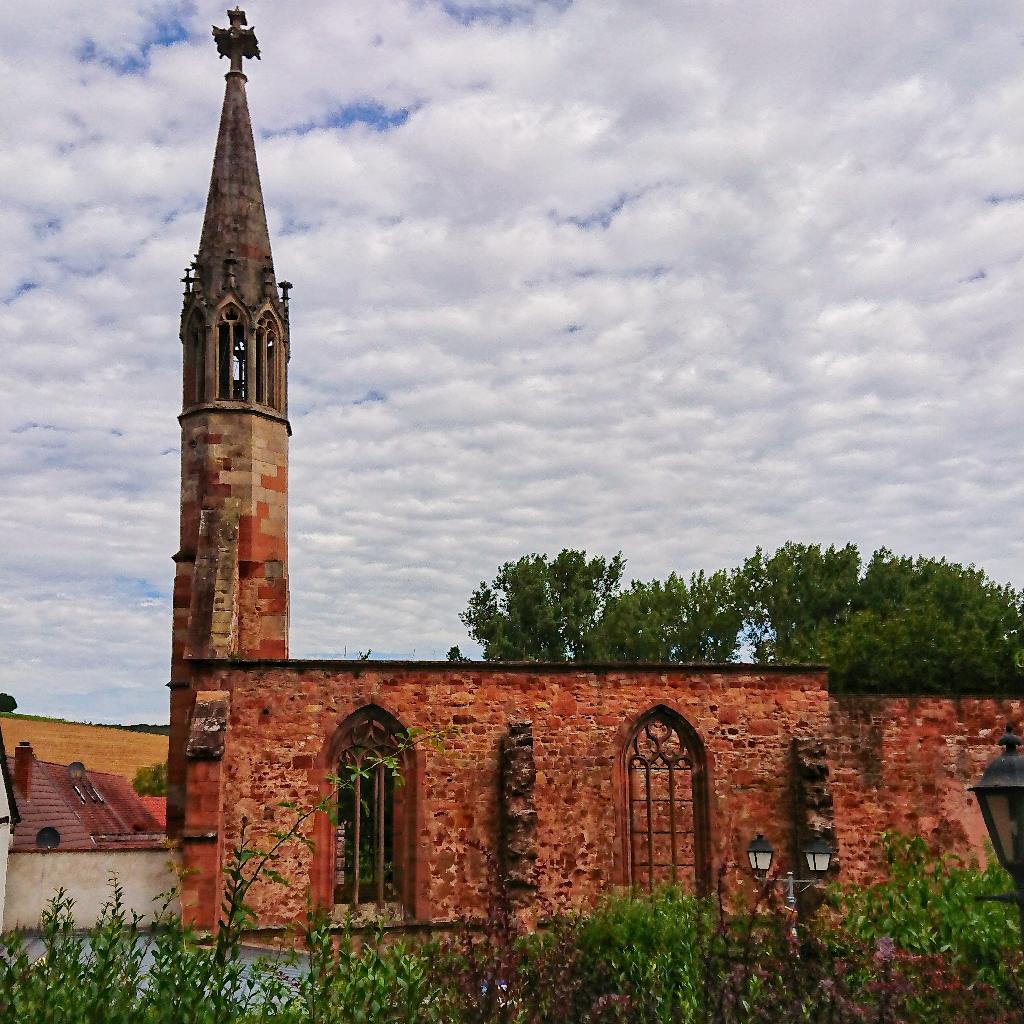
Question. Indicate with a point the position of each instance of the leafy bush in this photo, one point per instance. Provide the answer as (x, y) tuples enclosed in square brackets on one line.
[(914, 948), (375, 984), (151, 780), (650, 950), (929, 906), (662, 960)]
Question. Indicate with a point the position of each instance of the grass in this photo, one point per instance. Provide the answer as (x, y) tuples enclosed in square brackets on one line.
[(99, 747)]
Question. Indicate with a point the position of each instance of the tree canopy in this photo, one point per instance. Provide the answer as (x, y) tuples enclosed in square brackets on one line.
[(544, 609), (892, 624), (151, 780)]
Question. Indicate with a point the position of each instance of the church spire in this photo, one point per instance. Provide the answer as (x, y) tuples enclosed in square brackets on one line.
[(234, 250), (231, 568)]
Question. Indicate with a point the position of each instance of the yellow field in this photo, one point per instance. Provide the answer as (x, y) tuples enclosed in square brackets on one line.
[(99, 748)]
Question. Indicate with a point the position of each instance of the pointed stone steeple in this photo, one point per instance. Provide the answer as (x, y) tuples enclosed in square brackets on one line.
[(231, 568), (234, 250)]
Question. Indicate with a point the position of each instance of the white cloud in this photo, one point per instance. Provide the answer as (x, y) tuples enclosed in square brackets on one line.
[(672, 278)]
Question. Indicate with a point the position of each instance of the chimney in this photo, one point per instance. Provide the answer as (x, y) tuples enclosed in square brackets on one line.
[(23, 758)]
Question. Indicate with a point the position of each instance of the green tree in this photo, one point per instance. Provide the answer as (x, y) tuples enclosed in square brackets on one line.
[(679, 620), (544, 609), (793, 599), (7, 704), (903, 625), (570, 608), (926, 625), (151, 780), (898, 624)]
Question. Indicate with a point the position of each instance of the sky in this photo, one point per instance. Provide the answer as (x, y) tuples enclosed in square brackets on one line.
[(672, 278)]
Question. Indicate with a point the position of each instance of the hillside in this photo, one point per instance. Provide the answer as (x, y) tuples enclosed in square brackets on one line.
[(98, 747)]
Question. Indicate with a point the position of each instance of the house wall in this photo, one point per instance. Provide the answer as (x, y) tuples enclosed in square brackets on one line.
[(6, 839), (284, 716), (905, 764), (33, 877)]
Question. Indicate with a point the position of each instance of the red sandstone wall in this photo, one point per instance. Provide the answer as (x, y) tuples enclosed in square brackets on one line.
[(230, 455), (904, 764), (245, 456), (283, 718)]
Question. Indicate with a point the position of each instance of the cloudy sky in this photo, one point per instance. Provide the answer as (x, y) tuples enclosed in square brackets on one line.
[(676, 278)]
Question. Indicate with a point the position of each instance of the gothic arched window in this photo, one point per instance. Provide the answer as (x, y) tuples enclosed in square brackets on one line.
[(272, 370), (666, 815), (258, 365), (266, 356), (371, 836), (195, 361), (199, 346), (233, 357)]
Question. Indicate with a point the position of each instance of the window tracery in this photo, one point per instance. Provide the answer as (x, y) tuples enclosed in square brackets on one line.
[(233, 357), (198, 360), (272, 370), (266, 355), (195, 361), (665, 814), (369, 835)]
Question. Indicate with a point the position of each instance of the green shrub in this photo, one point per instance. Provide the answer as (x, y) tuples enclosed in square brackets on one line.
[(915, 948), (375, 984), (928, 905), (151, 780), (649, 949)]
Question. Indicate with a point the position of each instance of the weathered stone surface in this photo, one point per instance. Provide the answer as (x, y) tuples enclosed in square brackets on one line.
[(904, 764), (814, 811), (209, 724), (518, 829), (213, 614)]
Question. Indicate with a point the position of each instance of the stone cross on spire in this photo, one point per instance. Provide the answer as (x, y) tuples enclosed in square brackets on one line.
[(234, 250), (236, 42)]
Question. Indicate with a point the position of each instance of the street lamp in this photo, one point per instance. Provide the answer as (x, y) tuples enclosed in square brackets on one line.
[(817, 853), (1000, 793), (819, 856), (760, 854)]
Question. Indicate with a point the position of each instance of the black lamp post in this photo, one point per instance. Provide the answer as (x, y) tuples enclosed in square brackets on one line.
[(1000, 793), (817, 853)]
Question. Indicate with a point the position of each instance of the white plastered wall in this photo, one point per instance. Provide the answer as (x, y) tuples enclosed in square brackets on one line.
[(34, 876), (6, 839)]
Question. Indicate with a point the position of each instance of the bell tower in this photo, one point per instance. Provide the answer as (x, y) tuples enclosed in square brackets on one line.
[(231, 580)]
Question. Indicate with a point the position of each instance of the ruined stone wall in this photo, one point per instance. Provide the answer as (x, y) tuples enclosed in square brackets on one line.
[(518, 833), (283, 717), (904, 764)]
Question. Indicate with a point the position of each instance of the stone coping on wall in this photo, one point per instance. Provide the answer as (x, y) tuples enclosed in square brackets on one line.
[(533, 667), (569, 667), (854, 695)]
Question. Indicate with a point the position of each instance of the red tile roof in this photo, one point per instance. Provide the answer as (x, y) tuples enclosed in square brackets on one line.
[(157, 806), (97, 811)]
